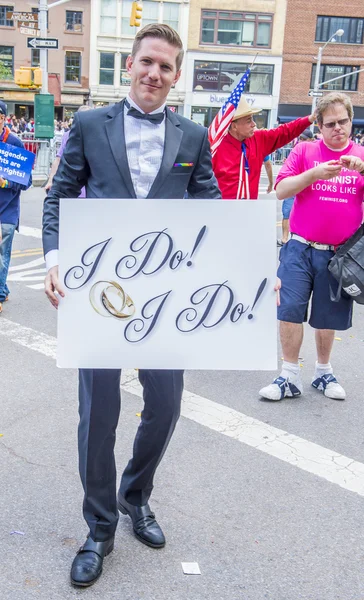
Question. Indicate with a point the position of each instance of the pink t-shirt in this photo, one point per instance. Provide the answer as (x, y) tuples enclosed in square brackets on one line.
[(328, 211)]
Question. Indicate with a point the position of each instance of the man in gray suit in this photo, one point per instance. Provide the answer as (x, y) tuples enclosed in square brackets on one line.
[(135, 149)]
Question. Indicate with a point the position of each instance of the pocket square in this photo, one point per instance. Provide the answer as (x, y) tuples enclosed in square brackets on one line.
[(183, 164)]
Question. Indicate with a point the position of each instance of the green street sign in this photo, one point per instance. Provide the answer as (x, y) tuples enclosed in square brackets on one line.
[(44, 116)]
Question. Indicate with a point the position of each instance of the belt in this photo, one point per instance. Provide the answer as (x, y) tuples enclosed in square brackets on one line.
[(315, 245)]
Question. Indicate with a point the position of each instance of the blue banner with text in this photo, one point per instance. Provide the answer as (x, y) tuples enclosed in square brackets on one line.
[(15, 163)]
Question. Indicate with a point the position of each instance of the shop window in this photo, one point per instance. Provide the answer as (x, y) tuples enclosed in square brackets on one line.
[(204, 116), (327, 72), (223, 77)]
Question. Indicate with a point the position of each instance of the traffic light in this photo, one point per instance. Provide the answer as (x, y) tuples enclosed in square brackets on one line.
[(37, 77), (136, 14), (28, 77), (23, 76)]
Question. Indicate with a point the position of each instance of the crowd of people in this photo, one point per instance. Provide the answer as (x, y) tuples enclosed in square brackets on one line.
[(358, 138), (20, 125), (141, 131)]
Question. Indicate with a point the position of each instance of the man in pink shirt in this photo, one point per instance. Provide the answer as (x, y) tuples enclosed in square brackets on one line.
[(327, 178)]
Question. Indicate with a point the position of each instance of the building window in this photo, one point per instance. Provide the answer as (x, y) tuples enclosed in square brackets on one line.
[(107, 67), (73, 67), (35, 57), (124, 75), (74, 21), (7, 62), (150, 12), (261, 119), (349, 84), (171, 14), (4, 22), (353, 29), (125, 18), (223, 77), (205, 115), (108, 17), (236, 28)]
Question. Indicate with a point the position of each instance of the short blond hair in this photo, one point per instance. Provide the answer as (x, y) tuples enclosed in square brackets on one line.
[(333, 98), (163, 32)]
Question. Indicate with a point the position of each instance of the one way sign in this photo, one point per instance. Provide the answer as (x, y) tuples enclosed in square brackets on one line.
[(51, 43)]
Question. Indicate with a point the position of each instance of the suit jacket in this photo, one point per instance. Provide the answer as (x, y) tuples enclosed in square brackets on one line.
[(95, 157)]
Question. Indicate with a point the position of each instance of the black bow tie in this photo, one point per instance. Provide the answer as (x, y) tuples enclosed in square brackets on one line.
[(156, 118)]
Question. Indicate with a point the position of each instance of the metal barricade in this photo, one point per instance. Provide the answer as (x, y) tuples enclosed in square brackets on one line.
[(279, 156), (43, 150)]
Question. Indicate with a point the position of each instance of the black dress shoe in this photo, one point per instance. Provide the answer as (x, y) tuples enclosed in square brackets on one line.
[(145, 526), (87, 564)]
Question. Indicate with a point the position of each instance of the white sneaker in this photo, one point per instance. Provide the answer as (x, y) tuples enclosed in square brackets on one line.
[(281, 388), (329, 386)]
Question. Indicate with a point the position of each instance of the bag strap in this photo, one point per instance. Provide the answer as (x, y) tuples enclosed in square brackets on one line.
[(336, 297)]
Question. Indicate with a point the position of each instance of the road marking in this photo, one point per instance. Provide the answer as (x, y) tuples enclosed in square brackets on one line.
[(25, 254), (30, 232), (307, 456), (25, 273), (27, 250), (29, 265)]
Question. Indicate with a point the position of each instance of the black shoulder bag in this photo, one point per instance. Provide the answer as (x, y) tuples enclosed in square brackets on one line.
[(347, 267)]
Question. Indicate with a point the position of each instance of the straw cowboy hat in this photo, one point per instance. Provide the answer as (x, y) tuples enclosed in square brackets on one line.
[(245, 110)]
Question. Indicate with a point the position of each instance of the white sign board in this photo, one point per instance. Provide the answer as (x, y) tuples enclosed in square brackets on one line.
[(168, 284)]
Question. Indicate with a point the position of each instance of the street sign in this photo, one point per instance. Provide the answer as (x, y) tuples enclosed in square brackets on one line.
[(22, 16), (314, 94), (30, 31), (31, 24), (50, 43)]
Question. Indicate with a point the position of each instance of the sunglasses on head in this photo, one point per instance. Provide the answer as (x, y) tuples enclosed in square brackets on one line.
[(332, 124)]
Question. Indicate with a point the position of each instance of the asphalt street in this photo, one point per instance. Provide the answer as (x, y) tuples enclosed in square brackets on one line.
[(261, 524)]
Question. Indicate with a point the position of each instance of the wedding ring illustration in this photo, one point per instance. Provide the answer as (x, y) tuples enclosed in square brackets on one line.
[(110, 300)]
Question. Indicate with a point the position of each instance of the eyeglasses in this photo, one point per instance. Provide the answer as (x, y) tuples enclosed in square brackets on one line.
[(332, 124)]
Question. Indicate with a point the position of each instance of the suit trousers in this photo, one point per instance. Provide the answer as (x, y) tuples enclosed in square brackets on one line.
[(99, 409)]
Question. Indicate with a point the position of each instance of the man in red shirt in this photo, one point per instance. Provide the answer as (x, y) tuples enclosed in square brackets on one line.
[(241, 153)]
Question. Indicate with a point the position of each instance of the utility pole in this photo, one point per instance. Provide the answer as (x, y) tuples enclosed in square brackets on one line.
[(338, 33), (43, 26), (43, 52)]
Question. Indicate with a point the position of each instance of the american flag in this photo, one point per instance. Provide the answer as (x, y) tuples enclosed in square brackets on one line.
[(221, 123)]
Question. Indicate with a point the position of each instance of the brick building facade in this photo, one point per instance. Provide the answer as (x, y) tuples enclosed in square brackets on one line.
[(309, 25)]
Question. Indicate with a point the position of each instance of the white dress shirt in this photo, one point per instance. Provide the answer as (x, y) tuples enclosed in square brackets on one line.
[(144, 148), (144, 143)]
